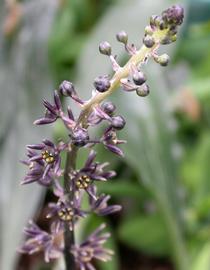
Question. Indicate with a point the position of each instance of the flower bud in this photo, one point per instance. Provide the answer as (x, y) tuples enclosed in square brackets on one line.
[(66, 88), (118, 122), (122, 37), (166, 40), (139, 78), (80, 137), (105, 48), (108, 107), (163, 59), (148, 30), (148, 41), (174, 15), (102, 83), (143, 90), (152, 20), (162, 25), (173, 38)]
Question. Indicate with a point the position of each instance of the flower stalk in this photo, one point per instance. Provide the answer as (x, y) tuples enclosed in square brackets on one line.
[(69, 238), (44, 160)]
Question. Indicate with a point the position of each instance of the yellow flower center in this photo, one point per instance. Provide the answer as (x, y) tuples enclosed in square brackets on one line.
[(83, 182), (66, 214), (48, 157)]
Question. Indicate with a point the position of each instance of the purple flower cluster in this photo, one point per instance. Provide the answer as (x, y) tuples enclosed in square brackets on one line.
[(44, 167), (44, 160)]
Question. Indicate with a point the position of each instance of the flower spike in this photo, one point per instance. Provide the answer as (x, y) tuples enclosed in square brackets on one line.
[(71, 183)]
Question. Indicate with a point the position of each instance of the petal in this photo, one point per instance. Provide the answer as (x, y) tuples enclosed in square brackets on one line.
[(45, 121), (90, 158), (57, 100), (109, 210), (35, 146), (49, 107), (116, 150)]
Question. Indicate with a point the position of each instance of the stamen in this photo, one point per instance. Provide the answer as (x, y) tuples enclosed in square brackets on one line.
[(48, 157), (83, 182), (66, 214)]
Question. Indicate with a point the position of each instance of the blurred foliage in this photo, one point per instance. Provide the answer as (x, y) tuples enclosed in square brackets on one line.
[(23, 70), (155, 242), (72, 26)]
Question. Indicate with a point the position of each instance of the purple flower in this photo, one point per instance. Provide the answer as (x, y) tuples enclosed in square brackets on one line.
[(43, 166), (52, 111), (37, 173), (110, 141), (39, 240), (100, 206), (83, 178), (92, 248), (65, 212), (44, 159)]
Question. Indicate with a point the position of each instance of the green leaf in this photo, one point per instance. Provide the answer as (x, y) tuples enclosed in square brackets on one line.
[(145, 233), (202, 261), (195, 174)]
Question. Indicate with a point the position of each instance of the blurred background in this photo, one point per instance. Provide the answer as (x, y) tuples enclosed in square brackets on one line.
[(163, 182)]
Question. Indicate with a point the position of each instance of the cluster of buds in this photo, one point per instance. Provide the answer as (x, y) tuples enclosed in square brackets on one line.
[(168, 21), (44, 159)]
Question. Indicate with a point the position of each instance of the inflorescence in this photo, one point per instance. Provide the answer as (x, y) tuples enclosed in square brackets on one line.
[(44, 159)]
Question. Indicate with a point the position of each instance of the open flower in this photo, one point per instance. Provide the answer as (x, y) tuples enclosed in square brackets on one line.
[(92, 248), (99, 205), (52, 111), (39, 240), (110, 141), (92, 171), (65, 212), (37, 173), (45, 165)]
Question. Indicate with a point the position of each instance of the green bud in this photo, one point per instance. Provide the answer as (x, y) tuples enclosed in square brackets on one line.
[(148, 30), (173, 38), (163, 59), (166, 40), (105, 48), (148, 41), (143, 90), (163, 25), (152, 20), (122, 37)]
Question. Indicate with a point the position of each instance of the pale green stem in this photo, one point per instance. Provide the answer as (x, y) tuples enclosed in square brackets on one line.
[(177, 242)]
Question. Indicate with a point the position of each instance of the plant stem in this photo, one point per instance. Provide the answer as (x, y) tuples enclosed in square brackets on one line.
[(69, 234), (123, 72), (87, 108)]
